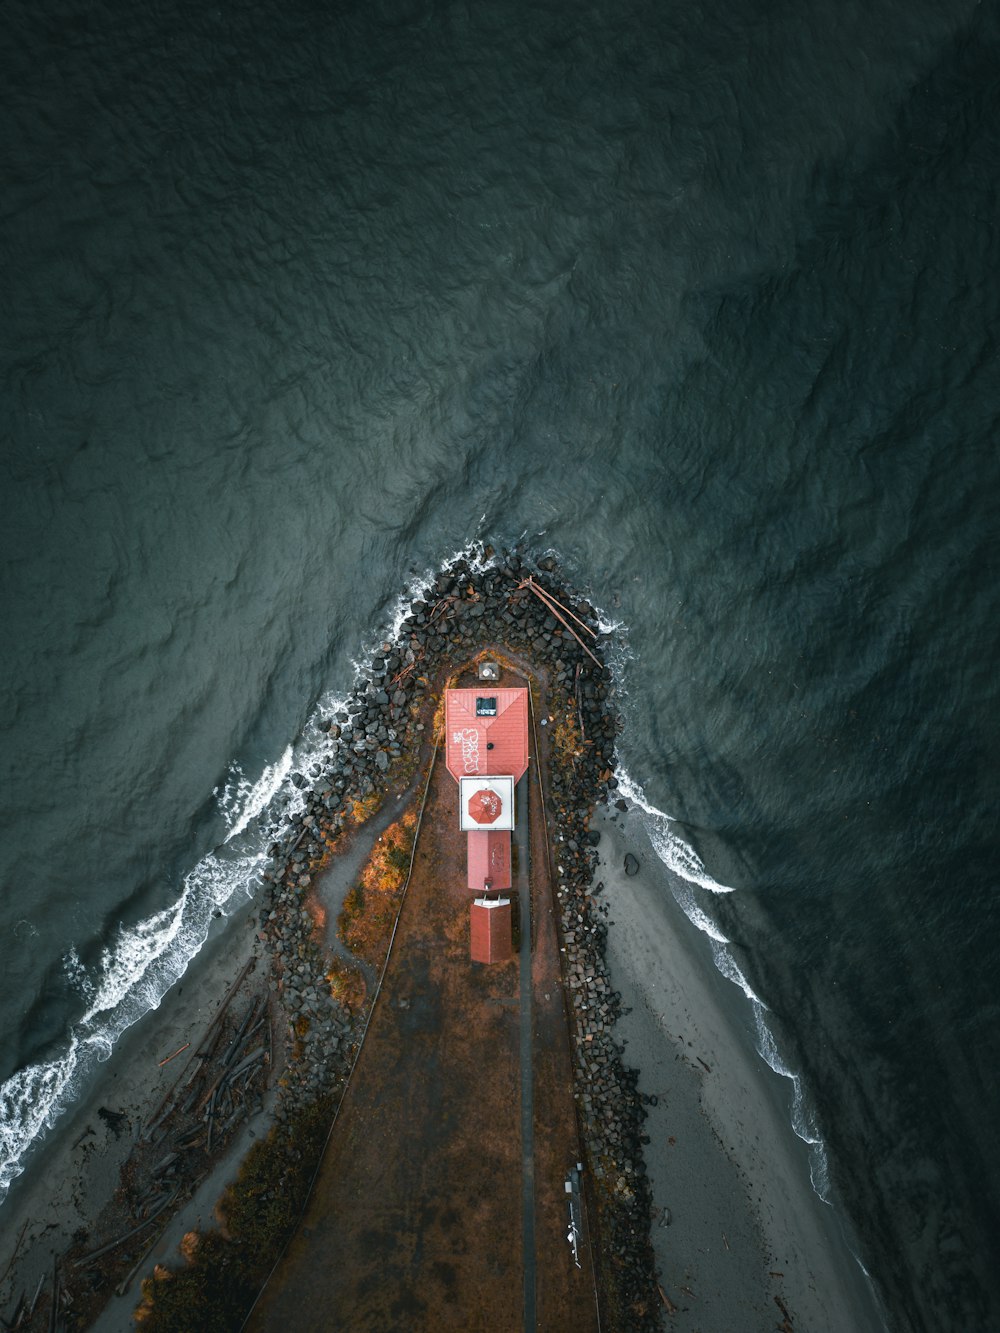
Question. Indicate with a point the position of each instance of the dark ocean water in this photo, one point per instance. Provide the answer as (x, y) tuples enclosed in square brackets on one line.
[(299, 300)]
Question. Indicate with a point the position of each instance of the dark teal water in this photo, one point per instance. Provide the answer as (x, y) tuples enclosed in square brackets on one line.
[(297, 301)]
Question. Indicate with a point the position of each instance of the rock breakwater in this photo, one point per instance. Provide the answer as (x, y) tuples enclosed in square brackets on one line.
[(495, 604)]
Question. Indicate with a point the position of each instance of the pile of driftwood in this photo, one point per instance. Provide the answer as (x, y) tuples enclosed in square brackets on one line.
[(221, 1085)]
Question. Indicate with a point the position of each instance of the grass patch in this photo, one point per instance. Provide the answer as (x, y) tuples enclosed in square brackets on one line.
[(363, 807)]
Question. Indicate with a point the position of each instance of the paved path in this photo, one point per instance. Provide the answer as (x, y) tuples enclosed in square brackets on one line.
[(526, 1066)]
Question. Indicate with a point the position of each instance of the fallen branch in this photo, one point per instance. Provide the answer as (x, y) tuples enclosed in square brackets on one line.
[(783, 1308), (544, 599), (54, 1310), (245, 1064), (208, 1033), (174, 1056), (552, 600), (671, 1307), (34, 1299), (235, 1043), (126, 1281), (20, 1237), (227, 999), (166, 1110), (16, 1317)]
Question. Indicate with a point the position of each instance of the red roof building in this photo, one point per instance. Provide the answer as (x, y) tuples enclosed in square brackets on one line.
[(486, 751), (489, 861), (490, 939), (486, 731)]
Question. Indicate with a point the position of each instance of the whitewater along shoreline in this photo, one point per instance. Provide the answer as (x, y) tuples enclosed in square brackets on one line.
[(741, 1238), (82, 1185)]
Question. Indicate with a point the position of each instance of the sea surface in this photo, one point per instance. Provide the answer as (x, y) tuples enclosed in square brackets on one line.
[(300, 299)]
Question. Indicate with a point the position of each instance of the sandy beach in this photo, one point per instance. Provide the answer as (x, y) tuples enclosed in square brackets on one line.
[(742, 1241), (73, 1174), (738, 1227)]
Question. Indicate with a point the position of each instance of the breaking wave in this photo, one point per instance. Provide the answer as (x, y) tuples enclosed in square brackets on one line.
[(144, 960), (689, 875)]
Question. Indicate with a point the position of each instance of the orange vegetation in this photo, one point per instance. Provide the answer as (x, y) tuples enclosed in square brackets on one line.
[(370, 908)]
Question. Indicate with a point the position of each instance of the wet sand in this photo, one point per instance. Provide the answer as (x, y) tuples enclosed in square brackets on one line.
[(745, 1225), (742, 1241)]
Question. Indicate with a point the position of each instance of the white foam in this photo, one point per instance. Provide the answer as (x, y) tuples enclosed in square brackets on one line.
[(132, 977), (675, 854), (242, 802), (30, 1103), (684, 895), (730, 969), (690, 874)]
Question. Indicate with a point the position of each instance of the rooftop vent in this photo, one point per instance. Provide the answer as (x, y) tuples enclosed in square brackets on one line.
[(486, 706)]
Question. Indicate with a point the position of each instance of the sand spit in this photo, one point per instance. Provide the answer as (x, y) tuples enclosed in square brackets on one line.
[(95, 1181), (741, 1239)]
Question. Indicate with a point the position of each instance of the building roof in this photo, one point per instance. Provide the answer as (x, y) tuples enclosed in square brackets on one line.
[(486, 731), (485, 803), (489, 859), (490, 939)]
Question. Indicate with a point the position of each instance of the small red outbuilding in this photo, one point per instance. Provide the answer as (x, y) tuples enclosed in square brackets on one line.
[(489, 861), (490, 938)]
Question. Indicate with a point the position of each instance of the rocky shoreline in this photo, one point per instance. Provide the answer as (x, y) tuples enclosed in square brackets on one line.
[(471, 608), (307, 1038)]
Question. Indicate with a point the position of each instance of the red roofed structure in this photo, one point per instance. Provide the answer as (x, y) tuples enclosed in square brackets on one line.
[(490, 931), (486, 751), (489, 861), (486, 730)]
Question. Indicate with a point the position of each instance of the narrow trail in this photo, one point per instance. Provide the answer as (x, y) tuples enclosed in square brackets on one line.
[(525, 1034)]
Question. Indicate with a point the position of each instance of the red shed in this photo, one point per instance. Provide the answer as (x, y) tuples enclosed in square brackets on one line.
[(490, 939), (489, 861)]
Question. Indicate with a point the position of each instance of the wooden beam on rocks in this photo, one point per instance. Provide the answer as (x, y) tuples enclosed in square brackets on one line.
[(552, 606), (554, 601)]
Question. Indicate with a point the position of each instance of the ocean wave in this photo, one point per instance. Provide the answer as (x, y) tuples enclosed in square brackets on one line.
[(689, 875), (144, 960), (672, 851), (134, 973), (241, 801)]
